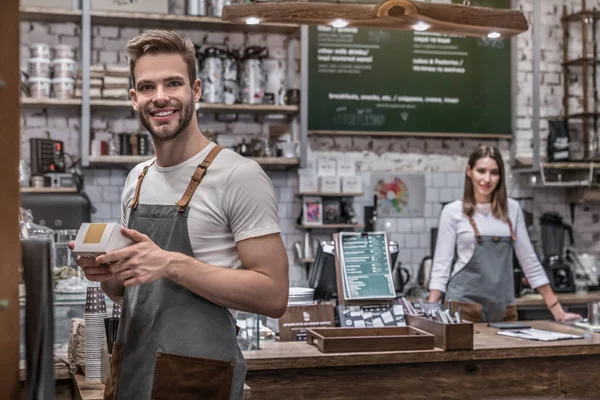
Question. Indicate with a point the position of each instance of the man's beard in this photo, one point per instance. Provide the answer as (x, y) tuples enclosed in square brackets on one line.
[(186, 113)]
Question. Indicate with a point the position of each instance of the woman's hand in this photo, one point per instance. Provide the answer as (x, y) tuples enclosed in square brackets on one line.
[(561, 316)]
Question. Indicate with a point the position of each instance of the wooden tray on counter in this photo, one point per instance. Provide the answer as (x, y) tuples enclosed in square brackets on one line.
[(350, 340), (447, 336)]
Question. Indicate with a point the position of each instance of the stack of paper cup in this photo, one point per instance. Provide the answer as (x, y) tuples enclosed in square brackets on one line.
[(95, 312), (116, 311)]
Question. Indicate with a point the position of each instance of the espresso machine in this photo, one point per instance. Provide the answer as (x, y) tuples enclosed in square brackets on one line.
[(559, 271)]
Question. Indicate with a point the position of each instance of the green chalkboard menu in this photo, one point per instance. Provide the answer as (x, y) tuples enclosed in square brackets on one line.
[(365, 265), (416, 82)]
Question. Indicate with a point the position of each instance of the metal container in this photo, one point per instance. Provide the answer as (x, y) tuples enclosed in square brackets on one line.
[(211, 75), (231, 88), (252, 80), (196, 7), (216, 7), (274, 71)]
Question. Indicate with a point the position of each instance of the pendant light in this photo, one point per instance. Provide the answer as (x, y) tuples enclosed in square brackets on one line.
[(456, 19)]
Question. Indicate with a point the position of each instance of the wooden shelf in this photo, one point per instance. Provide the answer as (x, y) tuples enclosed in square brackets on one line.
[(48, 190), (118, 160), (580, 62), (583, 115), (576, 17), (330, 226), (41, 14), (265, 162), (152, 20), (276, 161), (414, 134), (211, 108), (49, 103), (329, 194), (585, 165)]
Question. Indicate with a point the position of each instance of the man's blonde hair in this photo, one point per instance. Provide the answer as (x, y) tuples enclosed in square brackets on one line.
[(157, 41)]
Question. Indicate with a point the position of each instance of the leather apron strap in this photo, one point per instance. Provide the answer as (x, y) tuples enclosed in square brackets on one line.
[(197, 178), (136, 198)]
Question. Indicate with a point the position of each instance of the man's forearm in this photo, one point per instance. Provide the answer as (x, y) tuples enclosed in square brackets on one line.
[(242, 290), (114, 289)]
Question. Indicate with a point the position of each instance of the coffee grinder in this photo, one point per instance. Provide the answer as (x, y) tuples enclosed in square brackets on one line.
[(553, 239)]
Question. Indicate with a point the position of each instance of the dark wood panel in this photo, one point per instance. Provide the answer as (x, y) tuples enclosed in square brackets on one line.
[(9, 200), (548, 378)]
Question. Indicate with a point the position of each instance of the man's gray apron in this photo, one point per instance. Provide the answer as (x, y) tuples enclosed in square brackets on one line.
[(172, 343), (487, 279)]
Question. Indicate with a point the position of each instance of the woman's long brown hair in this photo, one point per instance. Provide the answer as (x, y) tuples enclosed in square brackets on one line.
[(499, 202)]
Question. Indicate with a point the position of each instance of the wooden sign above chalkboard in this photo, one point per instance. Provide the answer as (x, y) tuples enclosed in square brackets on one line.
[(383, 82)]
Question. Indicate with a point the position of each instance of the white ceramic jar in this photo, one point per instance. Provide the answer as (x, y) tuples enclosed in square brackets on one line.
[(64, 68), (39, 87), (63, 88), (39, 67), (63, 51), (39, 50)]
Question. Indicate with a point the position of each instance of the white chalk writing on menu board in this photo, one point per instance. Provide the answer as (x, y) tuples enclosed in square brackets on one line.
[(365, 264)]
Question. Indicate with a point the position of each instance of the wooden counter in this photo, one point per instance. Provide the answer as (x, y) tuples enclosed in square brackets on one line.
[(498, 367)]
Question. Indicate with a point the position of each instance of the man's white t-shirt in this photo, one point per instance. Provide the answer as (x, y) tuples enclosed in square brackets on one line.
[(455, 232), (235, 201)]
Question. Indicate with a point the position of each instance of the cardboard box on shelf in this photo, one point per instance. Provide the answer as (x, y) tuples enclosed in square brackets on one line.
[(62, 4), (147, 6)]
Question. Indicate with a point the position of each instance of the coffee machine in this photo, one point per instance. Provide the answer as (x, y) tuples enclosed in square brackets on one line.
[(559, 271)]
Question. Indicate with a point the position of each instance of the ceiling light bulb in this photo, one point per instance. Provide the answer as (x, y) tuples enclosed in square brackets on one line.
[(252, 21), (421, 26), (339, 23), (494, 35)]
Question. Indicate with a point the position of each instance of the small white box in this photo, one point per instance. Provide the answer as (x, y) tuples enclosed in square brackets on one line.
[(94, 239), (326, 167), (346, 168), (308, 184), (330, 184), (351, 184)]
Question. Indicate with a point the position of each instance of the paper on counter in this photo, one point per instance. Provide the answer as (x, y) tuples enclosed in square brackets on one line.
[(537, 334)]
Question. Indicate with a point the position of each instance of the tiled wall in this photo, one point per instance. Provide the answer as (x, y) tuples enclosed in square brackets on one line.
[(442, 161)]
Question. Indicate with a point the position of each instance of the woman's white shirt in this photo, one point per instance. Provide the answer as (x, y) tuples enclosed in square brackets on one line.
[(455, 231)]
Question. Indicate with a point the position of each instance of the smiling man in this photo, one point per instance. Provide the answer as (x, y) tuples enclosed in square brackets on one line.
[(206, 232)]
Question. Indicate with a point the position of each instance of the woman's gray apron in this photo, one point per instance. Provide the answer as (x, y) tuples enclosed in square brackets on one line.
[(487, 279), (172, 343)]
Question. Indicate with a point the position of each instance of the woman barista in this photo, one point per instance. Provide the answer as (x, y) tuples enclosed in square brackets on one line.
[(484, 228)]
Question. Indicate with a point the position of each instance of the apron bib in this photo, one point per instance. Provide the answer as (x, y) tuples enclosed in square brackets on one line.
[(484, 287), (173, 344)]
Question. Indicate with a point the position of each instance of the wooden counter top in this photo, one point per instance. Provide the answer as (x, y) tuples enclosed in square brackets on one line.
[(61, 370), (564, 298), (487, 345)]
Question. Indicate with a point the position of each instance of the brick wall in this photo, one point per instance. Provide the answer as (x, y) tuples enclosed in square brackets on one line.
[(442, 161)]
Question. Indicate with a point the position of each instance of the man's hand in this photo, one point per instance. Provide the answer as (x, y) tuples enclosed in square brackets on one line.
[(93, 270), (142, 262)]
